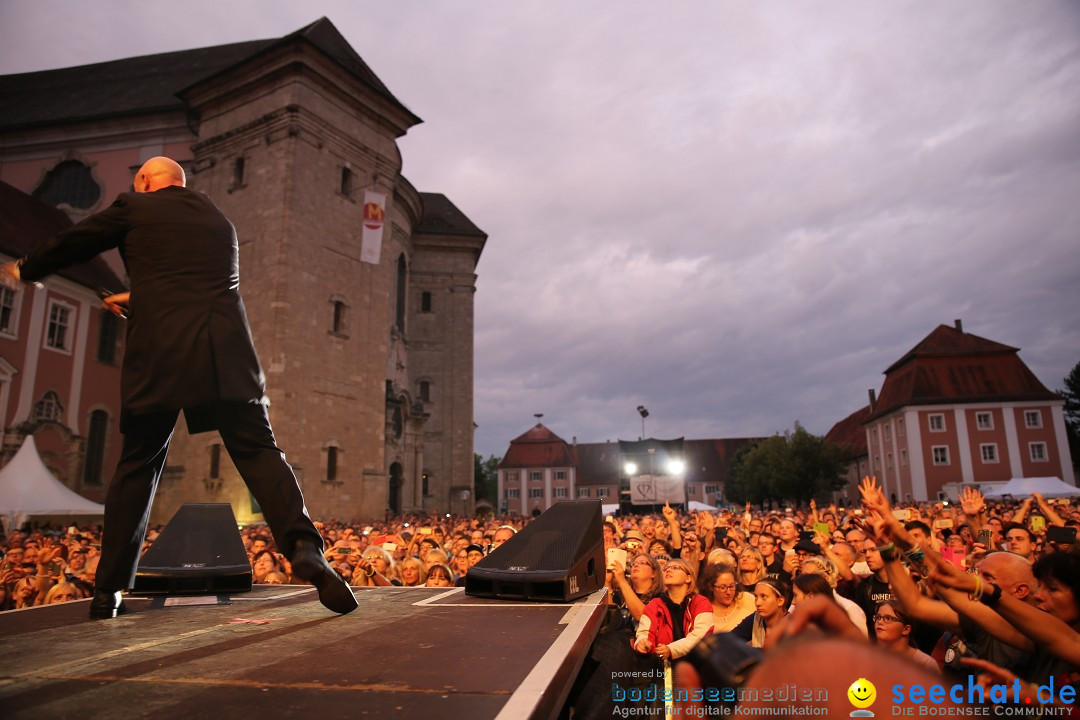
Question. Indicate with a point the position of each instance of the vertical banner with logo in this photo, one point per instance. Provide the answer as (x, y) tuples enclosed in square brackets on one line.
[(374, 219)]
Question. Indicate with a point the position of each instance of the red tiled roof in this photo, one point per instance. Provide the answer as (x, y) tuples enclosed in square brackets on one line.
[(539, 447), (849, 433), (950, 366)]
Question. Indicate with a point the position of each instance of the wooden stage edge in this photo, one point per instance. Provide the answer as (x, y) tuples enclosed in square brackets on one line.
[(277, 653)]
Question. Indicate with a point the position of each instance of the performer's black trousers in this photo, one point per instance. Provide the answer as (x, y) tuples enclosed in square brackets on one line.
[(245, 431)]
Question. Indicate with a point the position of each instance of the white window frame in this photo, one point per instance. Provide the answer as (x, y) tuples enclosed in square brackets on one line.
[(1037, 415), (560, 474), (993, 458), (536, 493), (711, 490), (903, 458), (584, 492), (16, 305), (511, 477), (536, 477), (888, 460), (1042, 451), (601, 492), (69, 328), (513, 494), (941, 421), (979, 416), (900, 427), (934, 458), (888, 433), (560, 492)]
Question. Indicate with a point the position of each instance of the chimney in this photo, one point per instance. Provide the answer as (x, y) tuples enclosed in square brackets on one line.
[(959, 325), (873, 398)]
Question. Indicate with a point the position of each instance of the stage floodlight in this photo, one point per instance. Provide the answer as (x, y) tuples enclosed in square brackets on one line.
[(676, 467), (630, 468)]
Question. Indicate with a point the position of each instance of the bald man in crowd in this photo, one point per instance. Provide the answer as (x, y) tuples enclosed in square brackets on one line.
[(188, 348)]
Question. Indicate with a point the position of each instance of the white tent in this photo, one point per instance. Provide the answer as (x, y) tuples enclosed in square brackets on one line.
[(695, 506), (1050, 487), (28, 489)]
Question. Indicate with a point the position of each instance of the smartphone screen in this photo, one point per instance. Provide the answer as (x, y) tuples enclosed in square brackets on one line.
[(1038, 523)]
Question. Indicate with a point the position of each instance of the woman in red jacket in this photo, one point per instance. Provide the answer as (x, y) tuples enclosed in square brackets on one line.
[(676, 620)]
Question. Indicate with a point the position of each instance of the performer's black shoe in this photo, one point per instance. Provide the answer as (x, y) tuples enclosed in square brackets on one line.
[(309, 564), (106, 604)]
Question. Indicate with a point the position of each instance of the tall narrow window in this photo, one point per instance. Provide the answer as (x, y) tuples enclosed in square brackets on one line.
[(215, 461), (58, 334), (95, 447), (7, 311), (425, 481), (107, 336), (399, 315), (239, 172), (425, 302), (346, 181), (425, 391), (331, 463), (339, 317)]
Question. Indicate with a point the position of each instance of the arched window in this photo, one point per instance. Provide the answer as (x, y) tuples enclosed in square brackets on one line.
[(48, 408), (95, 447), (69, 183), (399, 316)]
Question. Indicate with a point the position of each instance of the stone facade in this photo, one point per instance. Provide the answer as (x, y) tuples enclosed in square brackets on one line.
[(368, 366)]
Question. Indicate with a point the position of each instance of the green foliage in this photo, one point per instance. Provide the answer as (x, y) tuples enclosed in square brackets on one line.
[(795, 466), (1071, 394), (486, 477)]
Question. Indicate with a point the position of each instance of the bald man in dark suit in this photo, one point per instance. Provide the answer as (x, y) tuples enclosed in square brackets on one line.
[(188, 348)]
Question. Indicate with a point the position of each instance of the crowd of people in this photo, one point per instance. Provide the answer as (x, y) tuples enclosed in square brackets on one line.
[(979, 588)]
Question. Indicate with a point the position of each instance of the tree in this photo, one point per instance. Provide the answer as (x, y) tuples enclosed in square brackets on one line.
[(1071, 395), (486, 478), (794, 466)]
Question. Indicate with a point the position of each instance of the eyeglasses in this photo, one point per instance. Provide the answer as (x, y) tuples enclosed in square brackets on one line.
[(680, 568), (641, 562), (886, 619), (725, 587)]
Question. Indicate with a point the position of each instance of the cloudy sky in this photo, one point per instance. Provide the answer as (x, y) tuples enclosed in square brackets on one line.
[(735, 213)]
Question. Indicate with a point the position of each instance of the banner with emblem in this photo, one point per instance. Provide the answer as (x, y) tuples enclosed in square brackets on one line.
[(374, 220), (656, 490)]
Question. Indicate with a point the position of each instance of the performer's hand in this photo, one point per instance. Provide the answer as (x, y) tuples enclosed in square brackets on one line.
[(117, 303)]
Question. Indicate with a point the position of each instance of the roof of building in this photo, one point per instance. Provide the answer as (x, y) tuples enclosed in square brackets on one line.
[(150, 83), (26, 222), (950, 366), (539, 447), (442, 217), (850, 433)]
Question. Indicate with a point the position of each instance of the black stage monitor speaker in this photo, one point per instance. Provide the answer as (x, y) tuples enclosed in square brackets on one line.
[(557, 557), (198, 553)]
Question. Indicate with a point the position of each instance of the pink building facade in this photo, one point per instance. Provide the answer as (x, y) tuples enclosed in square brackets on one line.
[(960, 410)]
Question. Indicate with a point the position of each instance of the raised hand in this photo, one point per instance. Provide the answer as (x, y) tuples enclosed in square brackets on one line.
[(971, 501)]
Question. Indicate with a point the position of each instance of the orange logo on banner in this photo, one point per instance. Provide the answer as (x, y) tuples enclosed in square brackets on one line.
[(373, 216)]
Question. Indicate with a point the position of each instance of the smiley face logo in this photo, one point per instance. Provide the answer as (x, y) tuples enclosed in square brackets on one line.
[(862, 693)]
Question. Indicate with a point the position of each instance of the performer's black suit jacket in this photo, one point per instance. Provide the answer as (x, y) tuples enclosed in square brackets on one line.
[(188, 341)]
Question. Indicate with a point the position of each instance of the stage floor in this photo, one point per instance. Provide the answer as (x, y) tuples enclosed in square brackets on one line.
[(277, 653)]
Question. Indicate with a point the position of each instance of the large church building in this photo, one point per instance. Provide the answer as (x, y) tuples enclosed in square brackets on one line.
[(359, 288)]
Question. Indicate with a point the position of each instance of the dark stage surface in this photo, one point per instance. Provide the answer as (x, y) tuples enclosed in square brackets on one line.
[(277, 653)]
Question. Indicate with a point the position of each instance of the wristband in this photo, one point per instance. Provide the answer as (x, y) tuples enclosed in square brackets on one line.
[(370, 572), (991, 600), (888, 552), (977, 595)]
